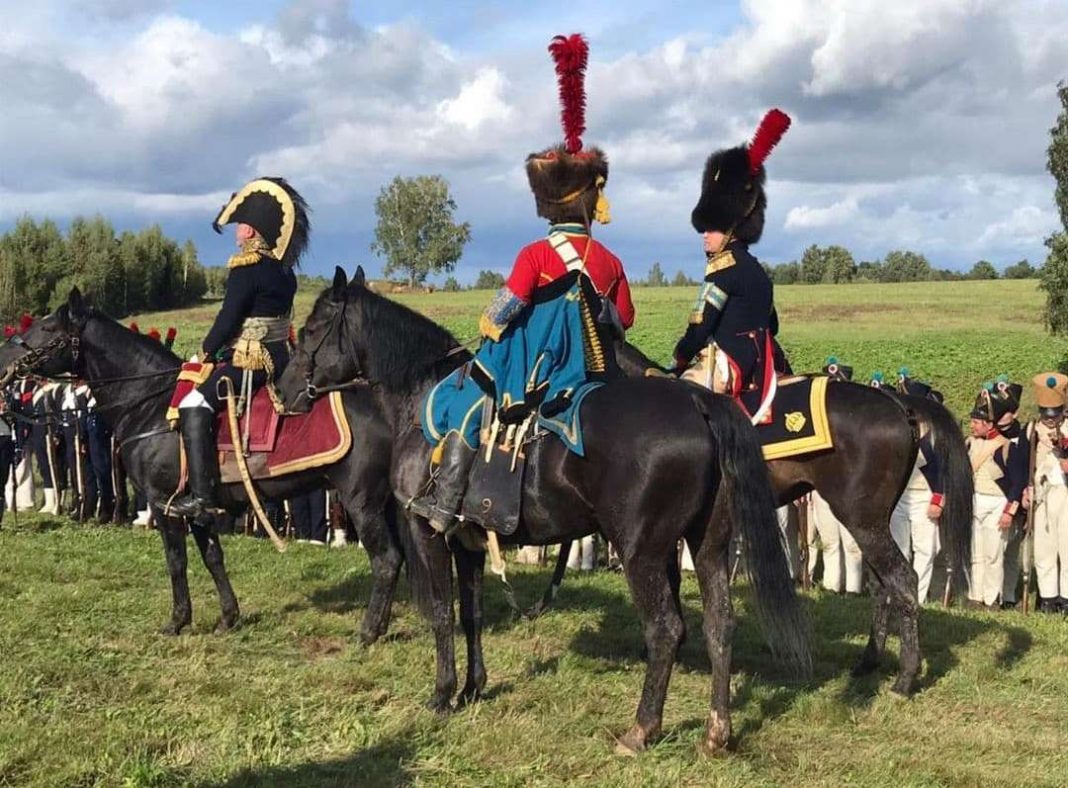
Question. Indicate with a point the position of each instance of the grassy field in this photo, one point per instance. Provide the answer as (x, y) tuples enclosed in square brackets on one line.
[(90, 695)]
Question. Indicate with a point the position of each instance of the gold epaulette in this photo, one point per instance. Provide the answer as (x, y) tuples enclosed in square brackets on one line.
[(719, 262), (244, 258)]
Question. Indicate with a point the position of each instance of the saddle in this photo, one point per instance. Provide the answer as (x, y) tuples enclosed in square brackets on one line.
[(279, 445), (796, 422), (494, 494)]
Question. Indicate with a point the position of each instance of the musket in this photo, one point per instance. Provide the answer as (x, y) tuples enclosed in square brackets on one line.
[(79, 474), (802, 535), (1029, 528)]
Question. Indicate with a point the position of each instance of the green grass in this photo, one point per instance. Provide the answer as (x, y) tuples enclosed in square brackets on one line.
[(91, 695)]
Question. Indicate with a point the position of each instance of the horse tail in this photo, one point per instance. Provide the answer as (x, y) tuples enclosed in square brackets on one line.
[(751, 504), (956, 470)]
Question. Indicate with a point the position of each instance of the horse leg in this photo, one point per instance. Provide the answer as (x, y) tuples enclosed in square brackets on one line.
[(470, 567), (712, 564), (898, 591), (212, 554), (662, 626), (172, 531), (372, 527), (434, 563), (674, 572)]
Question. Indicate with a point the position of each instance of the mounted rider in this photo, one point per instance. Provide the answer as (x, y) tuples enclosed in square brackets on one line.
[(248, 341), (733, 324), (568, 185)]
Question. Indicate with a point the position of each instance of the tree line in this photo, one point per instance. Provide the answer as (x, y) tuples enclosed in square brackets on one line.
[(120, 273)]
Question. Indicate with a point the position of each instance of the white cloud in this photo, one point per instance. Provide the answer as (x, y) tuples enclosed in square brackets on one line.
[(922, 122)]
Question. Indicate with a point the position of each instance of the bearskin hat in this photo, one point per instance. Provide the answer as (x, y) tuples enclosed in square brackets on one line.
[(996, 400), (732, 188), (567, 179), (835, 370), (276, 211)]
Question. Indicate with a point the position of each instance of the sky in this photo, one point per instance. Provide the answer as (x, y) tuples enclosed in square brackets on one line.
[(918, 124)]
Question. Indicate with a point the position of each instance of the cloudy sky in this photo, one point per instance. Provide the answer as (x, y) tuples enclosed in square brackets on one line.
[(918, 124)]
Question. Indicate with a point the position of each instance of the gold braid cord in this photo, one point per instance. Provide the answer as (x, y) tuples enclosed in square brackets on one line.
[(242, 466), (591, 341)]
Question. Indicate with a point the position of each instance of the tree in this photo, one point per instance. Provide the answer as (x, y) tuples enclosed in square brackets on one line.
[(839, 267), (681, 280), (901, 266), (656, 277), (1054, 273), (1020, 270), (416, 232), (489, 280), (813, 265), (786, 273), (984, 269), (451, 285)]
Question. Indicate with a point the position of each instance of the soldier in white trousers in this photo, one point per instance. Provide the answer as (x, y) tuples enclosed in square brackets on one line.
[(914, 521), (999, 451), (1049, 495), (843, 563)]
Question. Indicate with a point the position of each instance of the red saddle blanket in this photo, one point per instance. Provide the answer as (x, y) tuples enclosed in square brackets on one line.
[(286, 444)]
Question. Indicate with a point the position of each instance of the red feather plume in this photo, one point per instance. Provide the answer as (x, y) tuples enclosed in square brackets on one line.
[(172, 332), (25, 322), (570, 54), (9, 331), (767, 136), (153, 333), (134, 327)]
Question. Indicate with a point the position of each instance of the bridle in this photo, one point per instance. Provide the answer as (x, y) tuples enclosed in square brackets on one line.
[(28, 364), (337, 323)]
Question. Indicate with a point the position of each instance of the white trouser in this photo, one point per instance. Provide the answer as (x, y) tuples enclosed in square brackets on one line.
[(1051, 542), (20, 486), (788, 537), (583, 553), (988, 549), (909, 523), (839, 548)]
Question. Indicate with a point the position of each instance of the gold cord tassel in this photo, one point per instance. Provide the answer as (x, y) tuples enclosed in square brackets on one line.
[(602, 212)]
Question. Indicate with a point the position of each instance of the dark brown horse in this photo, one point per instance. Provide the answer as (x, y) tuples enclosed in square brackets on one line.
[(663, 462), (876, 437), (132, 377)]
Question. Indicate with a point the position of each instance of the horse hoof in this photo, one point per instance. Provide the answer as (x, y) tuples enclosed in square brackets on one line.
[(439, 706), (225, 626), (902, 688), (708, 748), (469, 695), (172, 628), (717, 736), (632, 742)]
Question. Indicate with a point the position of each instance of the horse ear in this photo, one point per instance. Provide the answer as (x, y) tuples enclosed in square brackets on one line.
[(359, 278), (341, 283), (76, 306)]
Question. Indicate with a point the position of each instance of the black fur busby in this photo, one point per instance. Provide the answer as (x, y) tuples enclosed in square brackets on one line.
[(276, 211), (568, 180), (732, 188)]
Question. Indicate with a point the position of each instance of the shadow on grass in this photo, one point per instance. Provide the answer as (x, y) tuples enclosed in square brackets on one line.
[(384, 764)]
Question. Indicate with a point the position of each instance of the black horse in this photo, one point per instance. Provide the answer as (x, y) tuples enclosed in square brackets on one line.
[(132, 377), (876, 437), (663, 462)]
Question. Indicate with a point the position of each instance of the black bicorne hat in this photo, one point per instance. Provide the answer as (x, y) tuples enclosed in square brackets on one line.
[(732, 188), (996, 400), (276, 211)]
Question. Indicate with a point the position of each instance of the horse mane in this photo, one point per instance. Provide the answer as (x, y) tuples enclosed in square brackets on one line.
[(404, 348), (147, 351)]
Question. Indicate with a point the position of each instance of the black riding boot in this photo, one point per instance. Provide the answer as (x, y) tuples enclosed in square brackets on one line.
[(442, 504), (202, 456)]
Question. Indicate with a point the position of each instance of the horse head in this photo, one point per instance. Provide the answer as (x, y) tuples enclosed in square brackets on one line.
[(327, 352), (49, 347)]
